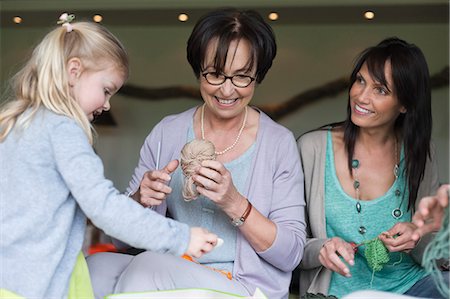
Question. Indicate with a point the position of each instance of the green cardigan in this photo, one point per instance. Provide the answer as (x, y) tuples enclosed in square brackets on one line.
[(314, 278)]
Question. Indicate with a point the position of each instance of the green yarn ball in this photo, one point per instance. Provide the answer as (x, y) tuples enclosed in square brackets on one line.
[(376, 254)]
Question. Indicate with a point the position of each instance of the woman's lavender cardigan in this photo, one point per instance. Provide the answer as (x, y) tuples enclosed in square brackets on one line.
[(274, 187)]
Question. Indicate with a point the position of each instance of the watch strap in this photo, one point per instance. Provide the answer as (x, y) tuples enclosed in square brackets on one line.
[(240, 220)]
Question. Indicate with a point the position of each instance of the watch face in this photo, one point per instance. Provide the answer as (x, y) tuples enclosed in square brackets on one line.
[(237, 221)]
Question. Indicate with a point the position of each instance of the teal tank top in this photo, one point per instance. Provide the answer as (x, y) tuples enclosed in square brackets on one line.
[(343, 220), (202, 212)]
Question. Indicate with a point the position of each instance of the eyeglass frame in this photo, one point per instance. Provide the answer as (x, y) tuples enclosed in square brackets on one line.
[(226, 78)]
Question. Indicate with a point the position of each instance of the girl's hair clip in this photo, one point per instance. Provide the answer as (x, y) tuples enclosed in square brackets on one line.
[(65, 20)]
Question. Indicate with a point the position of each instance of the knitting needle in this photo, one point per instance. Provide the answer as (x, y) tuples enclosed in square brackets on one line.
[(357, 245), (158, 154)]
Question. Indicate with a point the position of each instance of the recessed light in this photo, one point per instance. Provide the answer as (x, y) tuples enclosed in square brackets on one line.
[(273, 16), (17, 20), (182, 17), (369, 15), (97, 18)]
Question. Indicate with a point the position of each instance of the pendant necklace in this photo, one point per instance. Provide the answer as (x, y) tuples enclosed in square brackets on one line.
[(244, 122), (397, 212)]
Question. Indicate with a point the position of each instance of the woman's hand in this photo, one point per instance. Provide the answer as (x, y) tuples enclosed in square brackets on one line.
[(331, 253), (153, 189), (214, 181), (201, 242), (399, 237), (428, 217)]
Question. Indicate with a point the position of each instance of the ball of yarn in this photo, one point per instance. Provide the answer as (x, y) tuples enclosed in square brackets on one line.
[(439, 250), (376, 254), (192, 155)]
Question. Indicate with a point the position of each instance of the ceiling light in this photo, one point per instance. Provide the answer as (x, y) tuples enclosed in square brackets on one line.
[(17, 20), (97, 18), (182, 17), (369, 15), (273, 16)]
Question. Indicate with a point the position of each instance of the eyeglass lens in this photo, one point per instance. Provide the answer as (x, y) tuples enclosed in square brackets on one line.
[(237, 80)]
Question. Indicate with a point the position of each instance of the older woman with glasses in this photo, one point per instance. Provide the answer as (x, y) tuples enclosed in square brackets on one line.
[(251, 195)]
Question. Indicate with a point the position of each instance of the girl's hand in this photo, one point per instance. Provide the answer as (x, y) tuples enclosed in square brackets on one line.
[(214, 181), (331, 253), (399, 237), (428, 217), (153, 189), (201, 242)]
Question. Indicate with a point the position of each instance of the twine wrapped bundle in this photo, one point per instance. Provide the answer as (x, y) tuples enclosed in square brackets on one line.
[(192, 155)]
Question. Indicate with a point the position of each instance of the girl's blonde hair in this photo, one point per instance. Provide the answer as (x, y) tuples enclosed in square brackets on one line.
[(44, 80)]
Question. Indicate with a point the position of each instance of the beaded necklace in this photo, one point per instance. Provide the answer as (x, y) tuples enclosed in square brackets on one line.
[(244, 122), (376, 253), (397, 212)]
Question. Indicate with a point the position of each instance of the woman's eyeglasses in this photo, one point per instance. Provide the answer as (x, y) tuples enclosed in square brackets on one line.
[(237, 80)]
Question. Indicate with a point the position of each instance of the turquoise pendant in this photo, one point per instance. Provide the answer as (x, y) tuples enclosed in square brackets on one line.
[(355, 163), (396, 169), (362, 230), (358, 207), (356, 184), (397, 213)]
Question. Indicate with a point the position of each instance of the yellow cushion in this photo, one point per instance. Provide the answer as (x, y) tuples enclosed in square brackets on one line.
[(5, 294), (80, 282)]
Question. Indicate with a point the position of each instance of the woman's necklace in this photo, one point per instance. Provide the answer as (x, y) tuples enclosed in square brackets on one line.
[(237, 138), (397, 212)]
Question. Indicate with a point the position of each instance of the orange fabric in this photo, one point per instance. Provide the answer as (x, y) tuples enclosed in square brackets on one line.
[(102, 247), (226, 273)]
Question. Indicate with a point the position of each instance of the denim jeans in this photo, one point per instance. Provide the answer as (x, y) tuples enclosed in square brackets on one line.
[(427, 288)]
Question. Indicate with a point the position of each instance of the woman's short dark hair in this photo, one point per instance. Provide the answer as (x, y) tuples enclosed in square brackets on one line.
[(228, 25), (411, 84)]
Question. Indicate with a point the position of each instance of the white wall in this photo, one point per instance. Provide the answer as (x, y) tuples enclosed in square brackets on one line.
[(308, 56)]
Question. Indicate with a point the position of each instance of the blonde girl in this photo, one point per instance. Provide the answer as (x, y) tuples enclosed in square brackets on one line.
[(51, 178)]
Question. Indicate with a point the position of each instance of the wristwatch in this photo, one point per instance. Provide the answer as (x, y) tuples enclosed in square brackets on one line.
[(238, 221)]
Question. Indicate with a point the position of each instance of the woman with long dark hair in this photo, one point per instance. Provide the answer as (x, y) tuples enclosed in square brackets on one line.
[(363, 176)]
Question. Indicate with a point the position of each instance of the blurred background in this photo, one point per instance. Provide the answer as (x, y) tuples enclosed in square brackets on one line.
[(318, 41)]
